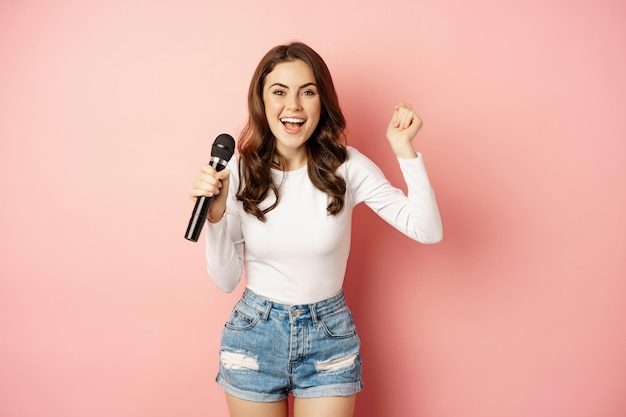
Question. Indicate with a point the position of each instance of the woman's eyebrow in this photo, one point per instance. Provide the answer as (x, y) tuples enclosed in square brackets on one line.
[(301, 87)]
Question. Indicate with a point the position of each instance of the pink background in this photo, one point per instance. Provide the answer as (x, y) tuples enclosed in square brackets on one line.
[(108, 108)]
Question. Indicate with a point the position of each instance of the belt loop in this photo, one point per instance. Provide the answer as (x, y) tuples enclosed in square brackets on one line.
[(313, 313), (266, 313)]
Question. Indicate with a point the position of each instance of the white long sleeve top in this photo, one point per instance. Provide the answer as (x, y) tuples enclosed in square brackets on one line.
[(299, 254)]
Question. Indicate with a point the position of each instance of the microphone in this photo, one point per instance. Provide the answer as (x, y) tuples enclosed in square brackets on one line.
[(221, 152)]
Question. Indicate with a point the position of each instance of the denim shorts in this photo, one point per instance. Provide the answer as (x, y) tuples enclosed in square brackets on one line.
[(269, 350)]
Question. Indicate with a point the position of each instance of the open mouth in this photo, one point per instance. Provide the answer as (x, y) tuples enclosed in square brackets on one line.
[(292, 123)]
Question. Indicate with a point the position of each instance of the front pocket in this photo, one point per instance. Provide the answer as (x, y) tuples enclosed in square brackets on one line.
[(242, 318), (339, 324)]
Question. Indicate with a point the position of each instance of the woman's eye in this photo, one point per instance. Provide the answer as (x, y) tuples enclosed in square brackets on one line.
[(308, 93), (279, 92)]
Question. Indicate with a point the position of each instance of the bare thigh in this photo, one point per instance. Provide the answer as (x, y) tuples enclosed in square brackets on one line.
[(324, 406), (244, 408)]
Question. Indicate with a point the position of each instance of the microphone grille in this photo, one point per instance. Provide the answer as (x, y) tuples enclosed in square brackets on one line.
[(223, 147)]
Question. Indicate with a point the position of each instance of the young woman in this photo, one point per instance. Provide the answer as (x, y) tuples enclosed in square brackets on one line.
[(282, 212)]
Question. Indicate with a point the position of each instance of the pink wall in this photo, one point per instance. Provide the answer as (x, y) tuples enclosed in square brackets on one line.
[(107, 109)]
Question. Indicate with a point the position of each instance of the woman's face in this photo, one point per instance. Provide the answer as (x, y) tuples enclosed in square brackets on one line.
[(292, 106)]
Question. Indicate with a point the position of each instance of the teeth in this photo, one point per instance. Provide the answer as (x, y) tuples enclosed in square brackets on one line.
[(291, 120)]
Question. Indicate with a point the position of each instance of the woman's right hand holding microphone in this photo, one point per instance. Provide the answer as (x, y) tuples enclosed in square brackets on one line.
[(211, 183)]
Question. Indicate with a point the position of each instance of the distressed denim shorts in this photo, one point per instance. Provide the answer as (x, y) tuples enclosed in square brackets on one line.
[(269, 350)]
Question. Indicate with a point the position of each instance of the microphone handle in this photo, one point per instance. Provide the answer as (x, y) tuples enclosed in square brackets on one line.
[(200, 211)]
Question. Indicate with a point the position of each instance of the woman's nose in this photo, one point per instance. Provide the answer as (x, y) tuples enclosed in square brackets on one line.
[(294, 102)]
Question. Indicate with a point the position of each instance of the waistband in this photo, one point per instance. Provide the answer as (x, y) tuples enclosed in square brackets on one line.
[(292, 313)]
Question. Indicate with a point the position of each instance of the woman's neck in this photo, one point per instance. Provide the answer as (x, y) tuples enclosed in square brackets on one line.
[(291, 162)]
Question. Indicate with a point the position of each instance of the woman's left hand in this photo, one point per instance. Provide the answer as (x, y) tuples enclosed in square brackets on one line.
[(403, 127)]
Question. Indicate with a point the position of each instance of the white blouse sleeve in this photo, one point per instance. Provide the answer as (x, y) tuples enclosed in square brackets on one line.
[(415, 214), (225, 244)]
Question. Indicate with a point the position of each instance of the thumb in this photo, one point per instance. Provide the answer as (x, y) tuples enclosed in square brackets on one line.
[(224, 176), (217, 209)]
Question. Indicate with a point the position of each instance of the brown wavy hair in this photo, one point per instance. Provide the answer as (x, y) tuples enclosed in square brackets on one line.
[(326, 148)]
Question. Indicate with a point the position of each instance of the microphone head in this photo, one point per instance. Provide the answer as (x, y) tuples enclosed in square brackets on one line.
[(223, 147)]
